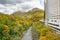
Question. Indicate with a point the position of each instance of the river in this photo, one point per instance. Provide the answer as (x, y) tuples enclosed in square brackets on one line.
[(27, 35)]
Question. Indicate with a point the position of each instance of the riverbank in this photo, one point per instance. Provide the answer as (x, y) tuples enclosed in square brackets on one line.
[(43, 32)]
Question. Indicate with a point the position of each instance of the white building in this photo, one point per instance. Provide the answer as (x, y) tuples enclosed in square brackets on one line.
[(52, 13)]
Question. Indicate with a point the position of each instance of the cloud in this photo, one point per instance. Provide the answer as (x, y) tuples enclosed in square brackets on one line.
[(9, 1), (42, 3), (9, 6), (32, 4), (12, 1)]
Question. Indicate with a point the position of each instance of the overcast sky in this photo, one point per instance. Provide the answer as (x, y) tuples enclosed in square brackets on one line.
[(9, 6)]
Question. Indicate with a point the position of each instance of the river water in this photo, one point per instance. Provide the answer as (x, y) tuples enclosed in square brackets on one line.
[(27, 35)]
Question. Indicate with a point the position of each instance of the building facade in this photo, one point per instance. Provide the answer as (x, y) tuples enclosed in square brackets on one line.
[(52, 13)]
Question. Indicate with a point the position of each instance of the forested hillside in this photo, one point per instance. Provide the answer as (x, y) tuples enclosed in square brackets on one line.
[(13, 26)]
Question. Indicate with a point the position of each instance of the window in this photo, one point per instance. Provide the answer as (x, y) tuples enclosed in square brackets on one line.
[(55, 20)]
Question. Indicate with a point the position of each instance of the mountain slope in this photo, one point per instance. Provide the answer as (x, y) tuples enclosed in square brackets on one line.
[(18, 13)]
